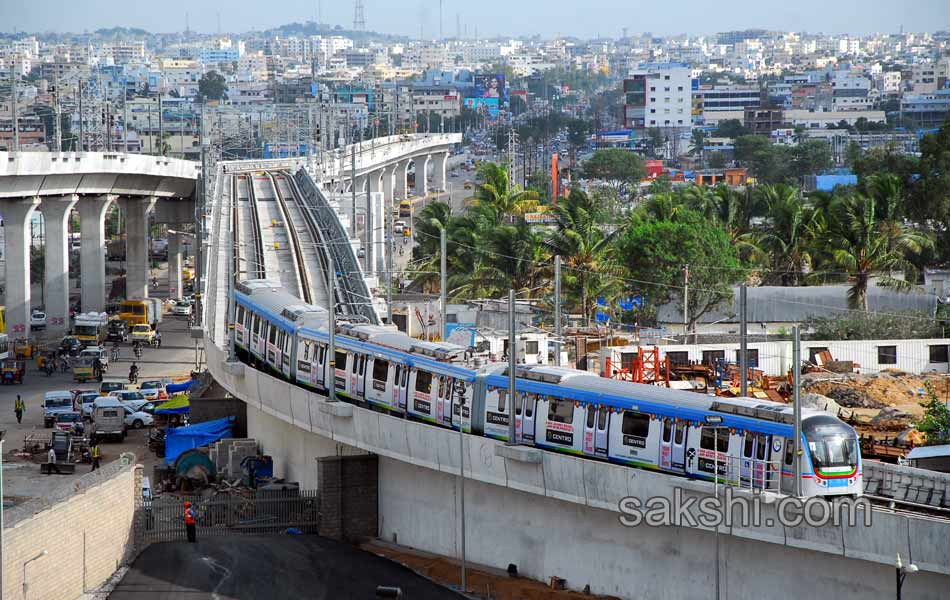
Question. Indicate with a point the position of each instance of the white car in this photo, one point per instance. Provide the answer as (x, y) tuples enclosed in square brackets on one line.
[(182, 308), (137, 419), (38, 320), (153, 390), (134, 399), (86, 401)]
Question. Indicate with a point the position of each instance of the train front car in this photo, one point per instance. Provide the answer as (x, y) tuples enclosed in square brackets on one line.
[(831, 461)]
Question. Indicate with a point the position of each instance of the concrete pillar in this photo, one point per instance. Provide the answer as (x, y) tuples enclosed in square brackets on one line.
[(389, 184), (422, 169), (16, 251), (402, 170), (136, 211), (56, 210), (439, 163), (92, 257), (374, 181), (174, 266)]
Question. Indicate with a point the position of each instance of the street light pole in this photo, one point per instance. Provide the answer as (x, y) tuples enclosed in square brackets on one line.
[(331, 347), (557, 310), (443, 276), (743, 344), (797, 408), (512, 352)]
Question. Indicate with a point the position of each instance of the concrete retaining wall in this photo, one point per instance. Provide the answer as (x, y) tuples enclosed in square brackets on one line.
[(86, 536), (559, 516)]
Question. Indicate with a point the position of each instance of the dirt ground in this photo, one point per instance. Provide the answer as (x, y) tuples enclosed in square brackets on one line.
[(481, 581), (890, 389)]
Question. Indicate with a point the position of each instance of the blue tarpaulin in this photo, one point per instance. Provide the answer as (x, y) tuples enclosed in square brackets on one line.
[(181, 439), (178, 388)]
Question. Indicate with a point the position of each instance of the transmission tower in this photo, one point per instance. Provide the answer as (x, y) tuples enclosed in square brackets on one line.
[(359, 17)]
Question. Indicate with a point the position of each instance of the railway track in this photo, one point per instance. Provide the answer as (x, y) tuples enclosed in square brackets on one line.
[(307, 248), (248, 254)]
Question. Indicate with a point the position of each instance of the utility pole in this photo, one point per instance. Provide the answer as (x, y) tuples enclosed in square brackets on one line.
[(57, 121), (82, 121), (743, 343), (161, 129), (125, 115), (389, 268), (512, 354), (557, 310), (443, 295), (353, 183), (797, 408), (331, 347), (16, 124), (686, 303)]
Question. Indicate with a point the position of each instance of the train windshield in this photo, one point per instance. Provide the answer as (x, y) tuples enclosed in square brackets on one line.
[(832, 443)]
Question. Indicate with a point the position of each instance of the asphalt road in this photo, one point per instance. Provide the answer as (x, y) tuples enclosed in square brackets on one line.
[(261, 567)]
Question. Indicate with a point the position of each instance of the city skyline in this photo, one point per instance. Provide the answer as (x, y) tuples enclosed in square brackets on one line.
[(494, 17)]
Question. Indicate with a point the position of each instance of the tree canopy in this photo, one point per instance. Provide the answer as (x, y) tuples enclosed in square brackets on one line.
[(212, 86), (617, 167)]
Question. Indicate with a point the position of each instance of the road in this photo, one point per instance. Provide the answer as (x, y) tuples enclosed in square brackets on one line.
[(21, 479), (253, 567)]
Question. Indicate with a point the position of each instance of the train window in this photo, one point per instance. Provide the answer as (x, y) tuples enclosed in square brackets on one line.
[(636, 424), (529, 405), (257, 324), (380, 369), (714, 439), (441, 387), (680, 433), (306, 351), (602, 418), (518, 404), (591, 416), (502, 397), (761, 447), (272, 336), (339, 359), (667, 430), (747, 448), (423, 382), (561, 411), (789, 451)]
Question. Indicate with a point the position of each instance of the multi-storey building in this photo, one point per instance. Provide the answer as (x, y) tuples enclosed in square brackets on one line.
[(659, 95), (926, 111)]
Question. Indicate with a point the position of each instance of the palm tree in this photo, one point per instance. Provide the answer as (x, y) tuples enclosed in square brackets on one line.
[(496, 190), (863, 245), (584, 247), (788, 238)]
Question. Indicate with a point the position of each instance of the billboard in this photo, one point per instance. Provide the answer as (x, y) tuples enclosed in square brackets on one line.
[(491, 86), (488, 106)]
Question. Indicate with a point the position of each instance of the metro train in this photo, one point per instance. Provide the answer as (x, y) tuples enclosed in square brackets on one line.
[(557, 409)]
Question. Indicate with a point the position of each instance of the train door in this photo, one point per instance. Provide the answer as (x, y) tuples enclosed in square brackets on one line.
[(527, 420), (404, 389), (666, 445), (759, 465), (774, 466), (788, 467), (590, 428), (440, 412), (321, 365), (445, 399), (747, 458), (678, 461), (600, 433), (519, 425)]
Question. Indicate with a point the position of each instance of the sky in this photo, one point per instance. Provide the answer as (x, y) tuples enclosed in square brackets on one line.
[(548, 18)]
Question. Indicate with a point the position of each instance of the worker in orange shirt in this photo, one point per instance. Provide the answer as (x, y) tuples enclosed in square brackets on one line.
[(190, 523)]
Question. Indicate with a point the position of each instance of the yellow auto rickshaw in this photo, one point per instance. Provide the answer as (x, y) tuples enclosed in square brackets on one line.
[(24, 349), (84, 369)]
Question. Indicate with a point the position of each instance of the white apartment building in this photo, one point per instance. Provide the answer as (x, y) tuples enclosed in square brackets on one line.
[(850, 91), (668, 91)]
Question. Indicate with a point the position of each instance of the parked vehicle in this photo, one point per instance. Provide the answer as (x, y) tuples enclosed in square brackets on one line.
[(37, 320), (137, 419), (55, 403), (108, 416), (70, 421), (111, 385)]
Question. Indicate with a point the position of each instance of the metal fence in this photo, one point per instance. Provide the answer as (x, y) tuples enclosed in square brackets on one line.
[(235, 513)]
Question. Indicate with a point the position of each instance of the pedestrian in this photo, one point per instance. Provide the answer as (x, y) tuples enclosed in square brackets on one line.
[(190, 523), (18, 409), (51, 457), (95, 456), (158, 338)]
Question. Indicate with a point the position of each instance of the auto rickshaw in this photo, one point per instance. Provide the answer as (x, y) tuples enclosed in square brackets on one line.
[(24, 349), (42, 358), (11, 371), (84, 370)]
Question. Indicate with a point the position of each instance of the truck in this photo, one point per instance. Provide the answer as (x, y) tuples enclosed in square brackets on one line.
[(143, 334), (117, 331), (141, 311), (108, 418), (55, 403), (91, 328)]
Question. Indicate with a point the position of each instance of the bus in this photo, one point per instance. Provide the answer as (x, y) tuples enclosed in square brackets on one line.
[(146, 311), (3, 324)]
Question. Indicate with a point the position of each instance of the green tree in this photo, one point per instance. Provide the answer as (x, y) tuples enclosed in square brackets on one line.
[(656, 252), (619, 168), (789, 234), (933, 197), (935, 422), (496, 190), (731, 128), (212, 86), (586, 249), (862, 245), (766, 162), (810, 157)]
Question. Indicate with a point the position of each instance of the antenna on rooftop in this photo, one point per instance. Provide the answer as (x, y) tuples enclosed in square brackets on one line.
[(359, 16)]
